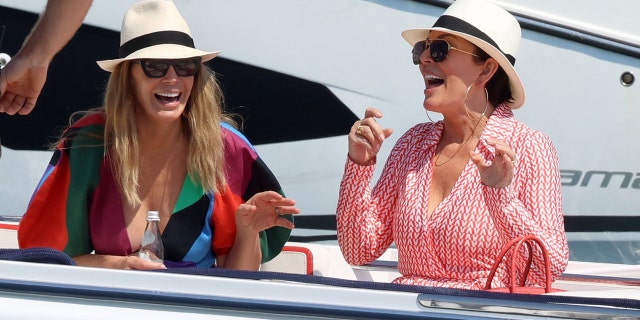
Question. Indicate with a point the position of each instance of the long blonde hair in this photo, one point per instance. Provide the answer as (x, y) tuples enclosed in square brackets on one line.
[(201, 122)]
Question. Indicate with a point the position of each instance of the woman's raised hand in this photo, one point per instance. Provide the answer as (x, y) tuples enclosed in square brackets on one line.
[(263, 211), (499, 172), (366, 138)]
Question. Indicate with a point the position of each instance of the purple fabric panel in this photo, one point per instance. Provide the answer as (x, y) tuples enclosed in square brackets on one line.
[(238, 171), (106, 219)]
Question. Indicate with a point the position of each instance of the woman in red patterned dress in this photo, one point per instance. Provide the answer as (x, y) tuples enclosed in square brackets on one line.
[(455, 191)]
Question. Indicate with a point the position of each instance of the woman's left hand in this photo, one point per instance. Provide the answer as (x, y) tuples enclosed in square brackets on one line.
[(264, 211), (499, 172)]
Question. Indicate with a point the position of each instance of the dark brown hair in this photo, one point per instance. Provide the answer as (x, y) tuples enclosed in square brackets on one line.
[(498, 86)]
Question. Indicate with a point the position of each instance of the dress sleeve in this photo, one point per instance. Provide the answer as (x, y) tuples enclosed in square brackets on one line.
[(364, 214), (57, 214), (273, 239), (247, 174), (532, 203), (44, 222)]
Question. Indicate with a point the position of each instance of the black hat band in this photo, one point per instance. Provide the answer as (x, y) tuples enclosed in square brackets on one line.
[(459, 25), (156, 38)]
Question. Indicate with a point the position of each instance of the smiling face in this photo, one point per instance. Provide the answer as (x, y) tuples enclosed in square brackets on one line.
[(446, 82), (161, 99)]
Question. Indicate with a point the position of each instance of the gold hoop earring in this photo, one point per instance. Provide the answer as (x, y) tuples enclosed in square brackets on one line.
[(427, 111), (486, 101)]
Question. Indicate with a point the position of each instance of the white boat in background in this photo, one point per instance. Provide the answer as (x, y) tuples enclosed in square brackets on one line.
[(300, 73)]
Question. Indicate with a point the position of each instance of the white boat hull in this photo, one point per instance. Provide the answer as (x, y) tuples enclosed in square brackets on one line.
[(33, 290)]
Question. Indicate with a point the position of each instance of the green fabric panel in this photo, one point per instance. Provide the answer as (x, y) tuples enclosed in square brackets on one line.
[(85, 159), (190, 193), (272, 240)]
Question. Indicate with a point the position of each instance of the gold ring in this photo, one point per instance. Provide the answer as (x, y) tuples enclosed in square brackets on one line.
[(359, 130)]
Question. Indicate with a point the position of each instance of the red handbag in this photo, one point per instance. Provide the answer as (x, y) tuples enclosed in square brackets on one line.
[(515, 287)]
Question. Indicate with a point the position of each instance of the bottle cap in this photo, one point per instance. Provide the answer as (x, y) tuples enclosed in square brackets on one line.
[(153, 215)]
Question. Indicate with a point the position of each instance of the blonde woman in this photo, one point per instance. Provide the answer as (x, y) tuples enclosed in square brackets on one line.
[(160, 142)]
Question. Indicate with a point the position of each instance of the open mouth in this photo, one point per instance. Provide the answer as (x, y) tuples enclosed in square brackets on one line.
[(433, 81), (168, 97)]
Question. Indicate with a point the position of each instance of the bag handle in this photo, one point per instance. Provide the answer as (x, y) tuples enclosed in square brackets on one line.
[(517, 244)]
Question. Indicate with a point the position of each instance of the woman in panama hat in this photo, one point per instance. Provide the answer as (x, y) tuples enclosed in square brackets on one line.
[(160, 142), (455, 191)]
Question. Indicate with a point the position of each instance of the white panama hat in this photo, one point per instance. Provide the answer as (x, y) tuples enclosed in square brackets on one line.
[(489, 27), (154, 29)]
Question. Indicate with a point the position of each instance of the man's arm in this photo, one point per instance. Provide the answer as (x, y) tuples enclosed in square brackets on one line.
[(23, 78)]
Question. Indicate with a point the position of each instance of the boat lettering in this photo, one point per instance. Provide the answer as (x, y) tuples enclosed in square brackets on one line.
[(573, 178)]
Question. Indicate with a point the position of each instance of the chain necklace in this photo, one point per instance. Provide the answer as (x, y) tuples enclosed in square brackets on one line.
[(481, 120)]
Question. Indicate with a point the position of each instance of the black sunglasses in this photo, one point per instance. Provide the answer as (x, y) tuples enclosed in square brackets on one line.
[(158, 68), (438, 48)]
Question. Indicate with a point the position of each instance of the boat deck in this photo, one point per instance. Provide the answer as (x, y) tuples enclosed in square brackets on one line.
[(309, 280)]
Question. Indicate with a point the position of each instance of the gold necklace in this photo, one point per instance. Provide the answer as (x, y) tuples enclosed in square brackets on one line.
[(482, 117), (435, 161)]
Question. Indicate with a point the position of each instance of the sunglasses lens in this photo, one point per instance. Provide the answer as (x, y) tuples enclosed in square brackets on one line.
[(186, 67), (418, 49), (154, 68), (439, 50)]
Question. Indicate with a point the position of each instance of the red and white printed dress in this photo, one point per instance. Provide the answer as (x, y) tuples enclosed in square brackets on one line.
[(458, 244)]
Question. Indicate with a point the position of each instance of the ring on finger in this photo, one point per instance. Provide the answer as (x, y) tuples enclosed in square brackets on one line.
[(278, 211), (359, 130)]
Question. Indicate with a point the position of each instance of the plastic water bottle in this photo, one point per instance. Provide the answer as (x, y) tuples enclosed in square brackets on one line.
[(151, 247)]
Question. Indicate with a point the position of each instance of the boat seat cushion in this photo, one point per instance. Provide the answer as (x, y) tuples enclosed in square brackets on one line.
[(38, 254), (292, 259)]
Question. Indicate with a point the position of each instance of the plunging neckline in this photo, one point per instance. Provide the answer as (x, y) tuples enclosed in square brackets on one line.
[(448, 197), (184, 199)]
